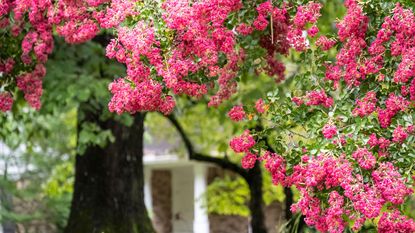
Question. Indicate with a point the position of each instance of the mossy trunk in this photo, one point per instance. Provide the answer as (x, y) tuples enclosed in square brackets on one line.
[(109, 183)]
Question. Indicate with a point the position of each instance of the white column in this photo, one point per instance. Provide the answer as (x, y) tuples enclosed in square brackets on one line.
[(148, 201), (201, 220)]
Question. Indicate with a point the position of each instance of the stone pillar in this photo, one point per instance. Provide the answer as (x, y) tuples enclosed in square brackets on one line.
[(147, 191), (201, 220)]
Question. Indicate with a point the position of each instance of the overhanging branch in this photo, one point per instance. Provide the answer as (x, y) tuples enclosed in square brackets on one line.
[(193, 155)]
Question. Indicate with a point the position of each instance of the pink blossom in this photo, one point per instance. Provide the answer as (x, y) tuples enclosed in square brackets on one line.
[(7, 65), (365, 158), (383, 143), (319, 98), (146, 96), (6, 101), (249, 160), (308, 13), (275, 164), (264, 8), (325, 43), (260, 23), (237, 113), (242, 143), (329, 131), (313, 31), (399, 134), (373, 140), (297, 100), (31, 85), (244, 29), (390, 222), (260, 106), (365, 106), (390, 183)]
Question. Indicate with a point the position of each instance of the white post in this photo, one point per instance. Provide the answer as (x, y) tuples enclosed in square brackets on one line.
[(148, 200), (201, 220)]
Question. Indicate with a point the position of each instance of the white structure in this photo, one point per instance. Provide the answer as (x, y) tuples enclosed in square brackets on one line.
[(188, 183)]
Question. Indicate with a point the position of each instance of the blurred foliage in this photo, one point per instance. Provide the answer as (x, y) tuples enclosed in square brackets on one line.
[(230, 195)]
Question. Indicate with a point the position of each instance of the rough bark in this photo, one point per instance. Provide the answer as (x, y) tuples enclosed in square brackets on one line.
[(109, 182)]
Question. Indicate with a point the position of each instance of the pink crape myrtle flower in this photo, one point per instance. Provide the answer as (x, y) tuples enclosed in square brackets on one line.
[(242, 143), (329, 131), (237, 113)]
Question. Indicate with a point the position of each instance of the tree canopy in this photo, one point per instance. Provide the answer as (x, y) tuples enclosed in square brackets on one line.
[(338, 125)]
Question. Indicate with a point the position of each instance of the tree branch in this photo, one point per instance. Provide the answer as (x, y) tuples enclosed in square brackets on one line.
[(193, 155)]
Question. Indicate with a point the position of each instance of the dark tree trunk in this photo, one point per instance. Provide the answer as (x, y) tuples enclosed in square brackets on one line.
[(108, 192), (289, 200), (256, 204)]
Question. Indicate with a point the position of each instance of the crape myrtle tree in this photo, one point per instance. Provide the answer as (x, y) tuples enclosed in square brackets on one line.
[(342, 135)]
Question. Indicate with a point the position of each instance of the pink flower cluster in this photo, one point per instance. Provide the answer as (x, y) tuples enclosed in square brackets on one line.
[(324, 172), (146, 96), (6, 66), (317, 174), (196, 50), (138, 92), (365, 158), (6, 101), (34, 22), (399, 135), (390, 184), (113, 15), (277, 42), (318, 98), (351, 31), (308, 13), (237, 113), (260, 106), (249, 160), (244, 29), (382, 142), (329, 131), (365, 106), (394, 104), (314, 98), (325, 43), (242, 143), (275, 165), (390, 222), (263, 10), (31, 85)]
